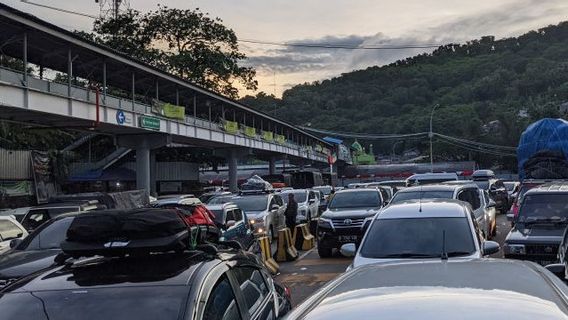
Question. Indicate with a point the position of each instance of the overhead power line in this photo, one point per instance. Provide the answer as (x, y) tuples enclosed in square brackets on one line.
[(340, 46), (367, 136), (59, 9)]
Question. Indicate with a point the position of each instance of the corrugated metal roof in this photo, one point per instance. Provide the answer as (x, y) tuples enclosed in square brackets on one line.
[(15, 165)]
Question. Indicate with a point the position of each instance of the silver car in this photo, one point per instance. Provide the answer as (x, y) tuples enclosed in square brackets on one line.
[(421, 229), (483, 209), (436, 289), (265, 211), (308, 203)]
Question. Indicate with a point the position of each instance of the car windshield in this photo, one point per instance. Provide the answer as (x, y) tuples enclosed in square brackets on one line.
[(299, 196), (483, 185), (218, 216), (251, 203), (414, 195), (418, 238), (141, 303), (220, 199), (544, 207), (48, 237), (355, 199), (510, 186), (325, 190)]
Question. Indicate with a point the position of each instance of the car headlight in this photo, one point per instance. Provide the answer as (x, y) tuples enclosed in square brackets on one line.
[(325, 223), (515, 249)]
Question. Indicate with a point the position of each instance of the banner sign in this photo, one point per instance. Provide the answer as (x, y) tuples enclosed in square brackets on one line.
[(250, 131), (231, 127), (267, 136), (168, 110), (280, 139), (16, 188), (43, 178)]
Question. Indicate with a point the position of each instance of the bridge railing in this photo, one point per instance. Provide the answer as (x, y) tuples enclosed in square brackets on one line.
[(81, 93)]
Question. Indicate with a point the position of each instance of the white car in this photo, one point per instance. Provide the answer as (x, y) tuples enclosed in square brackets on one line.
[(420, 179), (421, 229), (308, 203), (10, 229)]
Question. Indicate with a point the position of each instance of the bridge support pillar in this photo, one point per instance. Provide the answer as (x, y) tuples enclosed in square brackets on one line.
[(232, 162), (272, 165), (153, 187), (143, 144)]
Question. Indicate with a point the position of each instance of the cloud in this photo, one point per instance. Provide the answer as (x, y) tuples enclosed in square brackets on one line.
[(309, 64)]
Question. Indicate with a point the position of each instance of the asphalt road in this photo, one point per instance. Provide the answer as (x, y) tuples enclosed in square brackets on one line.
[(309, 273)]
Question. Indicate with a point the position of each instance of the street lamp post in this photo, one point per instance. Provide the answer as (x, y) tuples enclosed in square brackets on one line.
[(431, 135)]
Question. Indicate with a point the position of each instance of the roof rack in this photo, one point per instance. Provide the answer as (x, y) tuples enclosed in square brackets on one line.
[(249, 192)]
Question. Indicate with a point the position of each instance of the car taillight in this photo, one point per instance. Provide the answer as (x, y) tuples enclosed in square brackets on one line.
[(515, 209), (287, 292)]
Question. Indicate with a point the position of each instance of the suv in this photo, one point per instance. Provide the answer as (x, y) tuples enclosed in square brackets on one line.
[(483, 208), (345, 218), (419, 229), (308, 204), (233, 223), (188, 285), (264, 210), (10, 230), (43, 213), (539, 226)]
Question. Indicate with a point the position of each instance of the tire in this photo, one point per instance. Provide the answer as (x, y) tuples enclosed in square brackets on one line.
[(325, 252)]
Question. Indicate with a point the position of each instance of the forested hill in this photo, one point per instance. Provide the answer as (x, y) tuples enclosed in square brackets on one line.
[(514, 80)]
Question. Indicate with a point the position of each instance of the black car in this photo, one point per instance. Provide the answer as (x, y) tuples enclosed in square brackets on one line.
[(538, 228), (208, 285), (497, 191), (344, 221), (36, 252)]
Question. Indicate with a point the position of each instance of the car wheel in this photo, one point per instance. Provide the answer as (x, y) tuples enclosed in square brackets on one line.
[(324, 252)]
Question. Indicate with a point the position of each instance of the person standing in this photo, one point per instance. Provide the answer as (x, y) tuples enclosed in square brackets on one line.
[(291, 212)]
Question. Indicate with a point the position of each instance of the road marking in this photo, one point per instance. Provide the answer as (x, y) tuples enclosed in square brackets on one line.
[(305, 254)]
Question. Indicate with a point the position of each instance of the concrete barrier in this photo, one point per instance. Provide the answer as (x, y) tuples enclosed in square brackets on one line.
[(303, 239), (266, 255), (285, 250)]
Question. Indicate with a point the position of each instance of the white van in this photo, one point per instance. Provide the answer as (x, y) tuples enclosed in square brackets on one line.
[(421, 179)]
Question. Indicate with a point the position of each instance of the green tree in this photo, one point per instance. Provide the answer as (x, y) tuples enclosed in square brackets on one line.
[(187, 43)]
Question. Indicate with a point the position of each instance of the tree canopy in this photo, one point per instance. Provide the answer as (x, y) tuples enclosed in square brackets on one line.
[(184, 42), (488, 90)]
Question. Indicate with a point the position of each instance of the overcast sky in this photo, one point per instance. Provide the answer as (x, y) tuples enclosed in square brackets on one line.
[(346, 22)]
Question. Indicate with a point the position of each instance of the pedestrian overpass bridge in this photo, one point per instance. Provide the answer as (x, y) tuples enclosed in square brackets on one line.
[(144, 107)]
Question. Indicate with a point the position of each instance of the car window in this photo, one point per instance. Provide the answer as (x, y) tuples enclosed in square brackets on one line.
[(279, 200), (238, 214), (415, 195), (486, 195), (253, 287), (251, 203), (312, 195), (49, 237), (356, 199), (9, 230), (299, 196), (395, 238), (470, 196), (272, 203), (221, 303), (230, 215), (537, 207)]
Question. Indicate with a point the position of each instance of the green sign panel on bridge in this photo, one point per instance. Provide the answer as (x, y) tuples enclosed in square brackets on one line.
[(150, 123)]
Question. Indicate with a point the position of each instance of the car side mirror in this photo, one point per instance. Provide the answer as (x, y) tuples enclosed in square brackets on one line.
[(230, 223), (348, 249), (15, 242), (490, 247), (275, 207), (558, 269)]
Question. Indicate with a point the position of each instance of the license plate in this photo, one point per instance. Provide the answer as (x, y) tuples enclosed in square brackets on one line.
[(347, 238)]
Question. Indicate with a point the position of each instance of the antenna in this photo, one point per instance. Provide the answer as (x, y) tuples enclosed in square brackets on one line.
[(112, 8), (444, 254)]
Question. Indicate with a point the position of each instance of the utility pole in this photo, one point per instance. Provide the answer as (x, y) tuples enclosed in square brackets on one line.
[(431, 135)]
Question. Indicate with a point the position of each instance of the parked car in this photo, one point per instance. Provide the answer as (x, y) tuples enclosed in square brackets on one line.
[(345, 217), (394, 184), (35, 252), (264, 210), (39, 215), (483, 208), (420, 229), (526, 185), (512, 188), (17, 213), (421, 179), (233, 223), (188, 285), (538, 228), (10, 230), (497, 191), (325, 190), (435, 289), (308, 204)]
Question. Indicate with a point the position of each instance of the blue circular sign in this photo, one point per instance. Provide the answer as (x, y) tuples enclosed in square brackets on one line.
[(120, 117)]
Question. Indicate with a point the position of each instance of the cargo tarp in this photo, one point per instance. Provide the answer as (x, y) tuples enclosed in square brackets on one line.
[(112, 200), (549, 135)]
